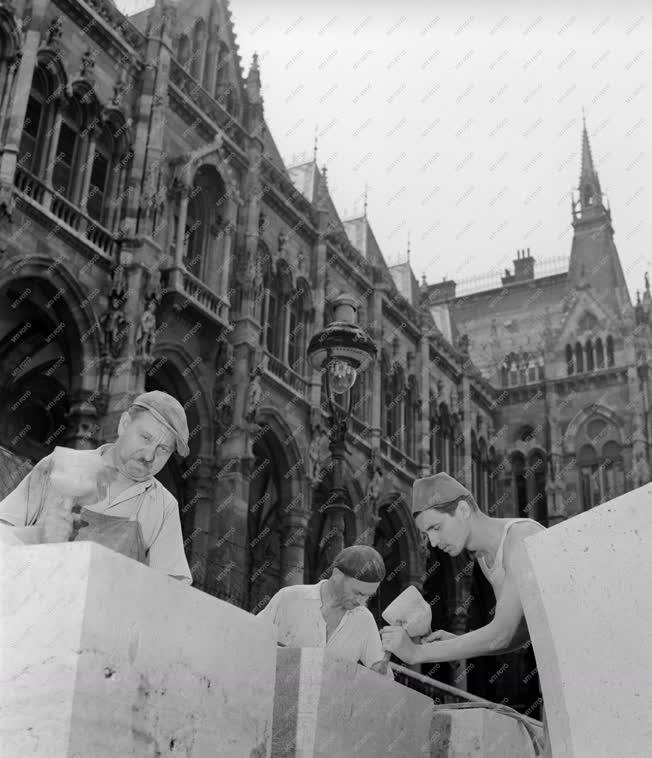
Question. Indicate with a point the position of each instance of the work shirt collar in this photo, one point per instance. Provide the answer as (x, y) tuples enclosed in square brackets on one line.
[(135, 489)]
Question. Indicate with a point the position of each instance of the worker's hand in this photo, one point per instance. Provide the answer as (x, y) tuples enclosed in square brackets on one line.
[(440, 634), (57, 520), (396, 640)]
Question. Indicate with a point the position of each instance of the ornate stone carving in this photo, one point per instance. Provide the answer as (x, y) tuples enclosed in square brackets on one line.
[(255, 391), (54, 33), (146, 331), (114, 323)]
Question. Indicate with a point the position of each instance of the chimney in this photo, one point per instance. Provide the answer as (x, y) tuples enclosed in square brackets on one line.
[(523, 266), (442, 291)]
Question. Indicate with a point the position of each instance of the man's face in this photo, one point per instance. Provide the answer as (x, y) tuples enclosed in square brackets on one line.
[(448, 533), (143, 446), (352, 592)]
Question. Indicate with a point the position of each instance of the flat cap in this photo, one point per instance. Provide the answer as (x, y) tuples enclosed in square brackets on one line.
[(437, 491), (168, 411), (361, 562)]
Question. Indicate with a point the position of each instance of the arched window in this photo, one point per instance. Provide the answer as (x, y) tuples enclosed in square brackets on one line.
[(100, 179), (298, 307), (599, 353), (273, 332), (198, 40), (204, 238), (513, 374), (570, 361), (386, 389), (434, 422), (396, 407), (445, 440), (610, 351), (411, 417), (579, 358), (519, 485), (183, 53), (504, 375), (458, 448), (38, 118), (590, 366), (532, 371), (68, 161), (613, 471), (590, 479)]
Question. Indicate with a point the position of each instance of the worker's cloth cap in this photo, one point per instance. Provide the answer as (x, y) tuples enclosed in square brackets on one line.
[(437, 491), (168, 411), (361, 562)]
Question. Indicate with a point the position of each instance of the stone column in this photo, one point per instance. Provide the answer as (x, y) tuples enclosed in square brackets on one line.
[(295, 528), (181, 228), (17, 104), (467, 421)]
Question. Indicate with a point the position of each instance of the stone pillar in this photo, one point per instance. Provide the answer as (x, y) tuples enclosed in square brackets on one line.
[(88, 169), (376, 332), (295, 528), (17, 104), (181, 227), (467, 421)]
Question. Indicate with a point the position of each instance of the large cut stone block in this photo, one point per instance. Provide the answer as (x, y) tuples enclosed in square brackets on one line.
[(479, 733), (586, 588), (103, 657), (324, 706)]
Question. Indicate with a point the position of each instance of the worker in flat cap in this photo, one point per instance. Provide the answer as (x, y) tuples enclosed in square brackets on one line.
[(332, 613), (447, 515), (110, 495)]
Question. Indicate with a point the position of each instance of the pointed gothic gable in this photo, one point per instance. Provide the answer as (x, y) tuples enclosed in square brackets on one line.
[(586, 313), (236, 74), (271, 152)]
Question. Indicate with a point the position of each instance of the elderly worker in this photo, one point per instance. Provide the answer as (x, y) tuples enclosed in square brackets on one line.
[(130, 511), (446, 512), (332, 613)]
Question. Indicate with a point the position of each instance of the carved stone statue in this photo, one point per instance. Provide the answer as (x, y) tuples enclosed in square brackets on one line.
[(115, 325), (255, 392), (146, 330), (373, 493), (640, 469)]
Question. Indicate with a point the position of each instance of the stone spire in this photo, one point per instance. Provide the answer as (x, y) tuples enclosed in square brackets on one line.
[(589, 185)]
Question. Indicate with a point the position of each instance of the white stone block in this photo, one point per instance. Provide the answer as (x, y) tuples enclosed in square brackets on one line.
[(330, 708), (586, 588), (103, 657), (479, 733)]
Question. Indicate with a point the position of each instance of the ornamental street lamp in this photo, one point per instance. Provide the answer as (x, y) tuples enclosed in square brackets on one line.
[(341, 351)]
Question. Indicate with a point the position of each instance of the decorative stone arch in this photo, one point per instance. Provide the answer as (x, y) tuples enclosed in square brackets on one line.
[(186, 380), (49, 60), (186, 166), (277, 517), (83, 92), (53, 275), (10, 36), (574, 429), (49, 358)]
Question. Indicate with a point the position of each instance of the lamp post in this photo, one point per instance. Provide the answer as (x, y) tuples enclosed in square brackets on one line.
[(340, 351)]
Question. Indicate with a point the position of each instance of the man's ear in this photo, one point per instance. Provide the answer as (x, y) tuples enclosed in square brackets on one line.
[(124, 422), (464, 508)]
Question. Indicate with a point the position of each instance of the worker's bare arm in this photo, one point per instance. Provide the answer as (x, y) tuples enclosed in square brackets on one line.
[(504, 633)]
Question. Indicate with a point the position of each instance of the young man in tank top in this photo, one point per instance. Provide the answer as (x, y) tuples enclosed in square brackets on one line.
[(446, 512)]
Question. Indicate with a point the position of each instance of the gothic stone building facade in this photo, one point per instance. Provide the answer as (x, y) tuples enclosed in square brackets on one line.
[(151, 237)]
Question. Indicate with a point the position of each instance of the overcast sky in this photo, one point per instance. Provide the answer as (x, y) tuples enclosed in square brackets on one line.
[(464, 119)]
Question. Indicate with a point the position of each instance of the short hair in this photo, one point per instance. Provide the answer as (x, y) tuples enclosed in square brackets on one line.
[(361, 562)]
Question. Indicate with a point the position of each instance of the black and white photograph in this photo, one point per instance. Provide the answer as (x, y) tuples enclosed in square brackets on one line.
[(325, 394)]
